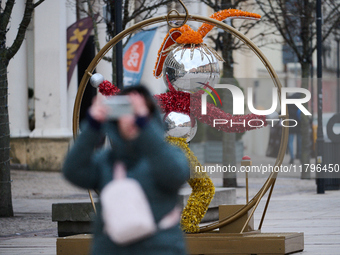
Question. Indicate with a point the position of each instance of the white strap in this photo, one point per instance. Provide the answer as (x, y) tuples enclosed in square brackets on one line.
[(171, 219), (119, 170)]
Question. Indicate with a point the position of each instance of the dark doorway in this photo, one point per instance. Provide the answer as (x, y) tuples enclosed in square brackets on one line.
[(85, 59)]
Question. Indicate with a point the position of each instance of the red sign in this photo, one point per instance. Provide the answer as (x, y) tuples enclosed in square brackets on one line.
[(133, 57)]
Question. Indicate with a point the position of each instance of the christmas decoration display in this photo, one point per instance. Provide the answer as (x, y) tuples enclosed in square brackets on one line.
[(190, 67)]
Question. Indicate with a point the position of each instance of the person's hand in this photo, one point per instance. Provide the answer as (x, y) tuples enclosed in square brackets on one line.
[(98, 110), (139, 105)]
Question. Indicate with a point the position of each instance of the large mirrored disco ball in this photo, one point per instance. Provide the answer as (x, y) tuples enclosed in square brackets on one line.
[(185, 66), (180, 125)]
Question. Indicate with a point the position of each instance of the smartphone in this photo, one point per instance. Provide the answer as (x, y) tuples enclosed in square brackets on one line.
[(119, 106)]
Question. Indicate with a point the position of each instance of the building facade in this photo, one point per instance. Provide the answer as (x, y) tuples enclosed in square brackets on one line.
[(41, 104)]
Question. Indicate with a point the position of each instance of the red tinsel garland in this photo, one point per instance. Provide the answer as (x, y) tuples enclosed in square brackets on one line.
[(174, 101), (183, 102), (231, 123), (106, 88), (179, 101), (187, 103)]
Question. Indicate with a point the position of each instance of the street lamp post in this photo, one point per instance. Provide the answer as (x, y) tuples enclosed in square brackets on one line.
[(119, 46), (320, 139), (338, 72)]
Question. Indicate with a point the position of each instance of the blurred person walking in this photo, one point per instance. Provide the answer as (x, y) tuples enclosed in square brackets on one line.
[(137, 142), (294, 130)]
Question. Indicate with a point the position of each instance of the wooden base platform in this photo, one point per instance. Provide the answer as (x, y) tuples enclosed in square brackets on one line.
[(250, 243), (245, 244)]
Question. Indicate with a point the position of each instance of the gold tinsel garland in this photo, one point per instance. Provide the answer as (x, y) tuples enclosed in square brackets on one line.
[(203, 190)]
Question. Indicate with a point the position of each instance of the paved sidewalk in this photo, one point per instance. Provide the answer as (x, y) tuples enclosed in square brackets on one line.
[(302, 210), (31, 230), (295, 207)]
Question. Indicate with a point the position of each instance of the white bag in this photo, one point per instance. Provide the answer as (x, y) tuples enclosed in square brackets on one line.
[(126, 211)]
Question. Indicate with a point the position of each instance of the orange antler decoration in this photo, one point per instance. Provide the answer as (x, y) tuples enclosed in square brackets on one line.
[(186, 35)]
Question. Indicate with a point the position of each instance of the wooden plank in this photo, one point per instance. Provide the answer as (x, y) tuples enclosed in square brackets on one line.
[(77, 244), (234, 245), (295, 244), (263, 243)]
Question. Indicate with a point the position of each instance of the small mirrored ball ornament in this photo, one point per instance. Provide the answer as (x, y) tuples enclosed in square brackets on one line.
[(180, 125), (187, 67), (96, 79)]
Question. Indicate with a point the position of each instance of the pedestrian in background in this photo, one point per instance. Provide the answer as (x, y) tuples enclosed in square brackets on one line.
[(138, 142), (294, 130)]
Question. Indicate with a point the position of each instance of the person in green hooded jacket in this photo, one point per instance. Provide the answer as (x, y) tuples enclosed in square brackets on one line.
[(137, 140)]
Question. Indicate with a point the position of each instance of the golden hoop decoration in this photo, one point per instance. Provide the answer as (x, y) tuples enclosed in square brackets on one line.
[(270, 182)]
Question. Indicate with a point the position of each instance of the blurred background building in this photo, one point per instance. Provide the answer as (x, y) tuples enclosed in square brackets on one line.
[(41, 101)]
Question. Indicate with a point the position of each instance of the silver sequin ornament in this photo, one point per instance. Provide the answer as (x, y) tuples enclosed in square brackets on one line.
[(180, 125)]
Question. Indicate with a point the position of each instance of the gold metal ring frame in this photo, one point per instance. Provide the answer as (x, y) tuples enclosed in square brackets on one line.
[(270, 182)]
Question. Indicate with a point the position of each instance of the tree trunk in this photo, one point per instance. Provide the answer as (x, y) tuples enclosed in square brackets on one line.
[(113, 65), (6, 54), (305, 125), (228, 139), (6, 208)]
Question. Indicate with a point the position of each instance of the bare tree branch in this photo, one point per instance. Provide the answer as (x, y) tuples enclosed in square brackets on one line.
[(245, 27), (125, 13), (212, 5), (21, 31), (94, 22), (38, 3), (148, 8), (95, 29), (305, 29), (22, 27), (295, 21), (6, 15)]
